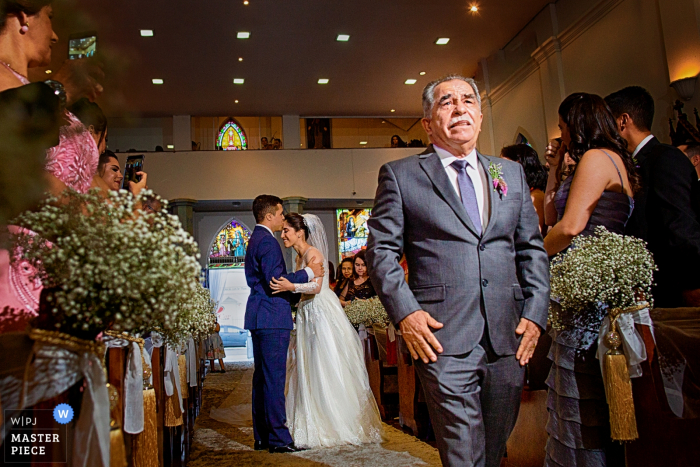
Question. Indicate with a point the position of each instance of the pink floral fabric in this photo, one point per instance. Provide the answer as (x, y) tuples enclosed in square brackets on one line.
[(74, 161)]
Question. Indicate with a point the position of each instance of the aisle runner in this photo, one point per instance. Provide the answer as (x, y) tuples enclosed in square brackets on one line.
[(224, 434)]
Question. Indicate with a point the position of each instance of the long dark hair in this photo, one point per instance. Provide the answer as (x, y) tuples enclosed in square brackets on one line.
[(592, 126), (15, 7), (339, 274), (361, 255), (297, 222), (525, 155), (89, 114)]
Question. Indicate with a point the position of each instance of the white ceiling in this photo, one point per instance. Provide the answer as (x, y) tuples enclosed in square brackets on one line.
[(292, 45)]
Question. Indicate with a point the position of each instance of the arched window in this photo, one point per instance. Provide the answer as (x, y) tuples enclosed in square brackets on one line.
[(232, 137), (229, 246)]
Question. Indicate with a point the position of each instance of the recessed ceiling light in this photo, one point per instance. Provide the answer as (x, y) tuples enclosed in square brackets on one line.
[(245, 35), (48, 72), (343, 37), (146, 32), (238, 81), (157, 81), (474, 9), (422, 73), (393, 110), (410, 81), (240, 59), (363, 142), (441, 41), (171, 146), (323, 81), (236, 101), (246, 2)]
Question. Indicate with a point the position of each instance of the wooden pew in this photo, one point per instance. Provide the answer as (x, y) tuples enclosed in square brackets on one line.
[(377, 371), (413, 411), (158, 382), (664, 439)]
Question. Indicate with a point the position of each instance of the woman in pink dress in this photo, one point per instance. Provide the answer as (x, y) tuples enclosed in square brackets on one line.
[(26, 38)]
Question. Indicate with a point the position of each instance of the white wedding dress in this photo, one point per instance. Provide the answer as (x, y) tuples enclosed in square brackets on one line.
[(329, 399)]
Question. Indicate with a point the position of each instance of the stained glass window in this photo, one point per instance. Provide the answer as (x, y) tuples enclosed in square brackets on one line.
[(352, 231), (232, 137), (229, 247)]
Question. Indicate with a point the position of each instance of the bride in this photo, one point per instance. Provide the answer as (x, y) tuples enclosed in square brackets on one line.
[(329, 400)]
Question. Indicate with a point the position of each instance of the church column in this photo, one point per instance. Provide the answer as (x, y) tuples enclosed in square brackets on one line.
[(182, 132), (291, 132), (184, 210), (292, 204)]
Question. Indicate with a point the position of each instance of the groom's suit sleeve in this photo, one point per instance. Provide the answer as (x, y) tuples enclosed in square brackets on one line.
[(273, 264), (385, 248), (531, 260)]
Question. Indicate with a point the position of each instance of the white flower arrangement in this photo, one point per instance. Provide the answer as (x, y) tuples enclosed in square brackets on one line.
[(605, 268), (196, 319), (106, 264), (367, 312)]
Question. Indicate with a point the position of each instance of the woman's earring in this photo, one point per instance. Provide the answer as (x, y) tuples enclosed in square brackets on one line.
[(24, 29)]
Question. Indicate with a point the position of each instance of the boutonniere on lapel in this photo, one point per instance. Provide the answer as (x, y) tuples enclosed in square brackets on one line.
[(499, 185)]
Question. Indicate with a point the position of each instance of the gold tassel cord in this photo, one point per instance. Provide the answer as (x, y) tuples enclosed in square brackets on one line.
[(182, 366), (145, 444), (618, 386), (117, 453), (173, 414)]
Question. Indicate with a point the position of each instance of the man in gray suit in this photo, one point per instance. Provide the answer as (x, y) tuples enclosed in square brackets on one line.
[(478, 276)]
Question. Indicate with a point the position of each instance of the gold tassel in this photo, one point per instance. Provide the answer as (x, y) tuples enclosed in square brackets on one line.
[(173, 414), (117, 453), (145, 444), (618, 389), (182, 365)]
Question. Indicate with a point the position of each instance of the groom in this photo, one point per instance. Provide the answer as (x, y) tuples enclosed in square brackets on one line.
[(478, 276), (269, 319)]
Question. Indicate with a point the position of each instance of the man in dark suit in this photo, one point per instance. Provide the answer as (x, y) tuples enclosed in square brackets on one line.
[(269, 319), (478, 286), (663, 212)]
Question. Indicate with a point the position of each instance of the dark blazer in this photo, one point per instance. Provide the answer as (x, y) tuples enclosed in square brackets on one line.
[(663, 215), (451, 270), (263, 261)]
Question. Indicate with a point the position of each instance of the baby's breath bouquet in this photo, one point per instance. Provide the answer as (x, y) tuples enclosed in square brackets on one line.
[(367, 312), (108, 264), (605, 268), (196, 318)]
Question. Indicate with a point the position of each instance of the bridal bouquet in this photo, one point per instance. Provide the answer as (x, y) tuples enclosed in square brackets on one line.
[(108, 264), (605, 268), (367, 312)]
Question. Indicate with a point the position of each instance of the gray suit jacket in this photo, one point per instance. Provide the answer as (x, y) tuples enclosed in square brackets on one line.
[(462, 280)]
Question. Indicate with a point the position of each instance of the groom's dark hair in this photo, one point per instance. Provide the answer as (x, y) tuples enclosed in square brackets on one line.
[(264, 204)]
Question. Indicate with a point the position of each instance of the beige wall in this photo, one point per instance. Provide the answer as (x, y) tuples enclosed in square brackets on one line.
[(584, 46), (377, 132), (224, 175)]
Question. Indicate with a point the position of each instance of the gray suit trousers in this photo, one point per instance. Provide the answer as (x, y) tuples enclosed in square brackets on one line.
[(473, 400)]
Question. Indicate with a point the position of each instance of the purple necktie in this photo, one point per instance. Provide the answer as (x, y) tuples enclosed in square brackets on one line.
[(466, 188)]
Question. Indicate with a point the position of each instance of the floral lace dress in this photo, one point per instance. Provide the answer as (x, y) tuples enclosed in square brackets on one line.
[(74, 162)]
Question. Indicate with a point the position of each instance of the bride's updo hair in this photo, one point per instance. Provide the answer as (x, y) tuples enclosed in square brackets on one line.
[(297, 222)]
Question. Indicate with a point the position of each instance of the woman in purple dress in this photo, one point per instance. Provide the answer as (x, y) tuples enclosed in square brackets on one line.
[(599, 192)]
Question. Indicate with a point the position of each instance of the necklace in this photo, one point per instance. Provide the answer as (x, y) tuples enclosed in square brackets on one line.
[(12, 69)]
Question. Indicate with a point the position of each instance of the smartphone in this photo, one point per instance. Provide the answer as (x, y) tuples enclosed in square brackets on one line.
[(83, 45), (133, 164)]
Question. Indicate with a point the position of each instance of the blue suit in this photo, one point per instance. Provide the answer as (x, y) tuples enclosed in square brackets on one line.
[(269, 318)]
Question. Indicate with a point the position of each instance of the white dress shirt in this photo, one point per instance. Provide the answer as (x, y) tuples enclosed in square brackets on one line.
[(641, 145), (476, 173), (309, 272)]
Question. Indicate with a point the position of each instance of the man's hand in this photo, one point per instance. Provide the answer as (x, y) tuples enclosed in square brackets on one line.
[(530, 332), (415, 329), (317, 269)]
